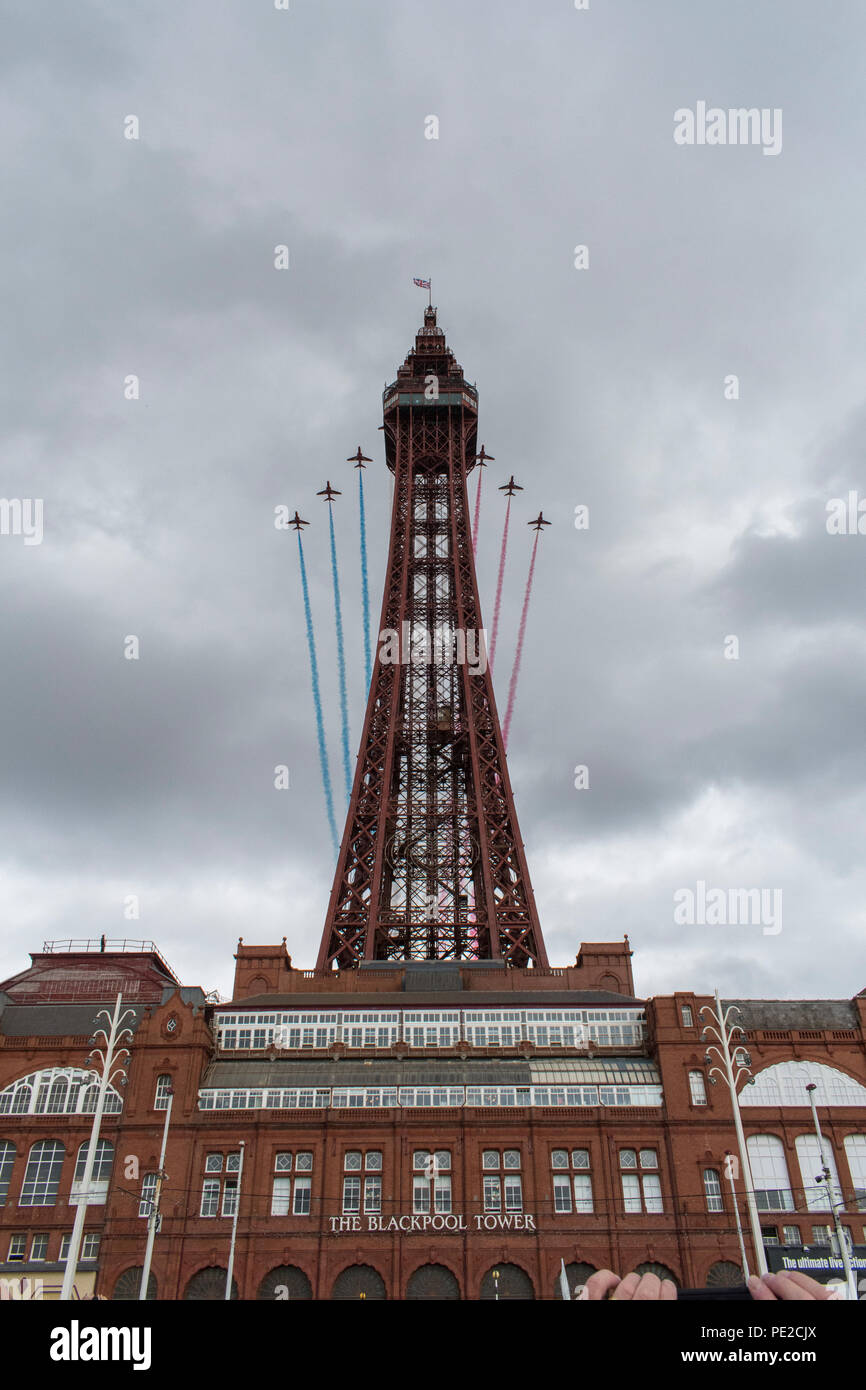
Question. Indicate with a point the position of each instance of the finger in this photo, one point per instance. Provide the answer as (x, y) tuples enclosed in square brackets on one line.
[(649, 1289), (626, 1288), (600, 1284), (759, 1291), (811, 1286), (669, 1290), (782, 1287)]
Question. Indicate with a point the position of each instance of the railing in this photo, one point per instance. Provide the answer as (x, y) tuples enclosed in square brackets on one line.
[(101, 945)]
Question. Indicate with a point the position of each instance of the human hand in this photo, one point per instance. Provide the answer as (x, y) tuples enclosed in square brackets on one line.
[(636, 1288), (795, 1287)]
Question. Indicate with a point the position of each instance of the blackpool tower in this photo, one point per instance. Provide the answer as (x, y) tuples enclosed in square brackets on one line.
[(431, 864)]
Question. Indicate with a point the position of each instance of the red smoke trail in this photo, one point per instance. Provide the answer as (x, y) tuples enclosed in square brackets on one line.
[(498, 601), (477, 513), (512, 689)]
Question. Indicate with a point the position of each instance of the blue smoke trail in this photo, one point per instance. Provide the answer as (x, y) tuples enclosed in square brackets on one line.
[(341, 658), (365, 593), (317, 701)]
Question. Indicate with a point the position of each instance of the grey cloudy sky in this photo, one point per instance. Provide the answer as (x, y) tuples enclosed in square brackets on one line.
[(602, 386)]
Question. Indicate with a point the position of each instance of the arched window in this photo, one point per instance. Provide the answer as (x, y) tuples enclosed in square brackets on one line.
[(102, 1166), (855, 1152), (56, 1091), (7, 1162), (507, 1281), (724, 1274), (697, 1089), (128, 1285), (42, 1177), (285, 1283), (576, 1275), (209, 1285), (163, 1091), (358, 1281), (785, 1084), (432, 1282), (769, 1173), (713, 1190), (809, 1155)]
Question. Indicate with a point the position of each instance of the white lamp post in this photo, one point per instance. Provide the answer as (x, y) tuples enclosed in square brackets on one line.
[(832, 1196), (110, 1068), (723, 1031), (153, 1214), (228, 1293)]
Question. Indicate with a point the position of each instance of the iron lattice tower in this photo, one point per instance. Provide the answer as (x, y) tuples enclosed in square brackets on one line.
[(431, 864)]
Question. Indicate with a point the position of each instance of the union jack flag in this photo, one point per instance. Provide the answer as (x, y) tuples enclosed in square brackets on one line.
[(422, 284)]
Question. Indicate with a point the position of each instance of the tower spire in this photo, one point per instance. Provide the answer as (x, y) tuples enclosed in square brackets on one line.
[(431, 864)]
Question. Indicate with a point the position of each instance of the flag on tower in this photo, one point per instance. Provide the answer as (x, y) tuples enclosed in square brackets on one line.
[(422, 284)]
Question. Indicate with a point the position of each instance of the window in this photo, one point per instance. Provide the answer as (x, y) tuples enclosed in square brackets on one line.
[(292, 1195), (210, 1197), (372, 1195), (791, 1235), (687, 1016), (65, 1242), (230, 1196), (352, 1160), (148, 1193), (769, 1172), (561, 1193), (42, 1176), (513, 1192), (49, 1093), (373, 1161), (640, 1193), (511, 1158), (17, 1248), (420, 1195), (442, 1192), (90, 1248), (564, 1185), (233, 1163), (281, 1197), (7, 1162), (812, 1171), (713, 1190), (855, 1152), (163, 1091), (697, 1089), (39, 1247), (490, 1158), (351, 1195), (582, 1192), (213, 1163), (821, 1235), (784, 1083), (770, 1235), (102, 1166), (492, 1194)]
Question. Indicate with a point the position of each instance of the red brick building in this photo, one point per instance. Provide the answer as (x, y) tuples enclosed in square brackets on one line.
[(410, 1128)]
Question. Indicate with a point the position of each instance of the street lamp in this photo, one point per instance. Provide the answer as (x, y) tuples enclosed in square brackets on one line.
[(731, 1070), (835, 1207), (153, 1218), (228, 1292), (729, 1171), (111, 1067)]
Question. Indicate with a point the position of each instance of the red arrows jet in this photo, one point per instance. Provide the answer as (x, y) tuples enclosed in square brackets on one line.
[(511, 487), (482, 458), (329, 492), (358, 459), (297, 521), (538, 522)]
